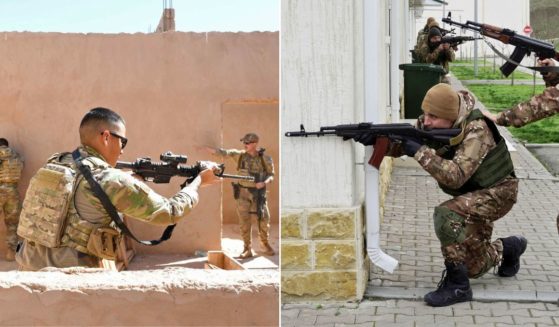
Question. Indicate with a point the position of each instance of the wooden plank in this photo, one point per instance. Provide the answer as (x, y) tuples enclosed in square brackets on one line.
[(221, 260)]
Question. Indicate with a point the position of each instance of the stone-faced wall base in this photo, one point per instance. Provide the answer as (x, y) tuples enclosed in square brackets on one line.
[(323, 254)]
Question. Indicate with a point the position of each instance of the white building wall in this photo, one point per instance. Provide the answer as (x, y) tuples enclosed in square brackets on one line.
[(321, 84)]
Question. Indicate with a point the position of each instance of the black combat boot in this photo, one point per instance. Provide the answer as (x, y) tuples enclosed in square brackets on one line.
[(454, 287), (513, 247)]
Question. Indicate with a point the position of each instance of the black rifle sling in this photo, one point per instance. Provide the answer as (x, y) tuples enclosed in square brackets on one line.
[(541, 69), (110, 208)]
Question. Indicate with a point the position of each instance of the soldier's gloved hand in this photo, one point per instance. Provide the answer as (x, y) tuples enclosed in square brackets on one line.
[(365, 138), (411, 147)]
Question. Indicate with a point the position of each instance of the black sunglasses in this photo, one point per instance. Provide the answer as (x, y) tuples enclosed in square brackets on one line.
[(123, 139)]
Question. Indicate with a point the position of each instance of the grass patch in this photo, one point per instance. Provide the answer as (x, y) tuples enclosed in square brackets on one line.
[(499, 97), (485, 72), (471, 62)]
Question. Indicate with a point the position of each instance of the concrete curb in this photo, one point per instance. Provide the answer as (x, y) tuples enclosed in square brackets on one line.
[(404, 293)]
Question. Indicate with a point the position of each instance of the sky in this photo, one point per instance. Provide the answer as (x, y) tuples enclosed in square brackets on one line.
[(131, 16)]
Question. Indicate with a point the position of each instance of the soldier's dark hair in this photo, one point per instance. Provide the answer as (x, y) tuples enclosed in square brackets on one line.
[(100, 114), (4, 142)]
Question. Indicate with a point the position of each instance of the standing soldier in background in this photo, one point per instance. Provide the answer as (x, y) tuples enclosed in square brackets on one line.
[(251, 196), (11, 165), (422, 34), (432, 51)]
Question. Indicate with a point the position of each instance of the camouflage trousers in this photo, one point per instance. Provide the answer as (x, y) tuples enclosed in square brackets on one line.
[(246, 209), (479, 210), (10, 207)]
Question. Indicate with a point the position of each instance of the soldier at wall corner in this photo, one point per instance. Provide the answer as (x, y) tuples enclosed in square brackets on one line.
[(477, 171), (251, 196), (11, 165), (63, 222)]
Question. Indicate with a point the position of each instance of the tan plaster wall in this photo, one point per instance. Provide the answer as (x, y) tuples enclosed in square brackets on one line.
[(169, 87), (172, 296)]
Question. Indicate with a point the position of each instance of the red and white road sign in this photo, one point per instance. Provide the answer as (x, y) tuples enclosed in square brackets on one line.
[(527, 30)]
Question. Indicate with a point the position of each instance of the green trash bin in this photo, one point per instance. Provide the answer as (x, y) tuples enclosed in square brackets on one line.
[(418, 79)]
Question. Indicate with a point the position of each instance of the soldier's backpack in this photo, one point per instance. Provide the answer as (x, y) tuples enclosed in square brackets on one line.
[(43, 216)]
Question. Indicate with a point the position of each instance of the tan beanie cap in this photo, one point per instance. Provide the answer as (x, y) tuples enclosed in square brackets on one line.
[(442, 101)]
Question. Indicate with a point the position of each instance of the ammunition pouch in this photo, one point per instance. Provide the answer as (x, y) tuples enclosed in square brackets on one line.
[(103, 243), (236, 190)]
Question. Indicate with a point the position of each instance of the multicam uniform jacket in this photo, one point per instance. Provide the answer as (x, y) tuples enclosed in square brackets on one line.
[(130, 196)]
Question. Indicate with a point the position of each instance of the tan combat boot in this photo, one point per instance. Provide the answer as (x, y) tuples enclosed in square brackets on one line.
[(267, 248), (10, 255), (247, 252)]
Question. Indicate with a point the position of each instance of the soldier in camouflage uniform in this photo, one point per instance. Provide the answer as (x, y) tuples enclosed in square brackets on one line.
[(11, 165), (251, 162), (538, 107), (102, 135), (430, 53), (422, 35), (477, 171)]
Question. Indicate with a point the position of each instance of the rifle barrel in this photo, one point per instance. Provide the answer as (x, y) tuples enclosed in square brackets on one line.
[(247, 178), (305, 134)]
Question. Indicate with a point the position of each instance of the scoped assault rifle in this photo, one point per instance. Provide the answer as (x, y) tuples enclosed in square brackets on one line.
[(524, 45), (170, 165), (381, 135)]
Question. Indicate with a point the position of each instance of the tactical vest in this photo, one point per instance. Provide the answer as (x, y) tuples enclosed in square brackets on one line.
[(251, 166), (10, 166), (49, 216), (496, 165)]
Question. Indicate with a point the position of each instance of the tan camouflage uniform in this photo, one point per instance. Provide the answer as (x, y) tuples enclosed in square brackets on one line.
[(130, 196), (261, 167), (423, 33), (11, 165), (538, 107), (478, 208)]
